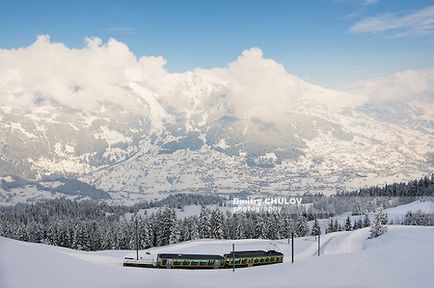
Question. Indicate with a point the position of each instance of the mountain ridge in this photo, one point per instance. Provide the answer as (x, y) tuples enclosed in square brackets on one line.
[(250, 126)]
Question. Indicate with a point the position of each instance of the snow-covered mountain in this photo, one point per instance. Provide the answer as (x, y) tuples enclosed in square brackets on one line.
[(248, 127)]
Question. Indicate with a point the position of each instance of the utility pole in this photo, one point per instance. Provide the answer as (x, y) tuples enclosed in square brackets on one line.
[(233, 257), (137, 240), (292, 246), (319, 243)]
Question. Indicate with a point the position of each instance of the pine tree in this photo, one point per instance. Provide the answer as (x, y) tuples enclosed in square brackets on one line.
[(35, 232), (124, 235), (50, 236), (194, 232), (316, 230), (21, 233), (145, 233), (175, 234), (331, 226), (81, 238), (418, 218), (379, 227), (302, 229), (63, 238), (166, 222), (338, 227), (348, 226), (94, 236), (107, 240), (366, 221), (204, 225), (271, 226), (260, 228), (291, 228), (358, 224), (356, 209), (238, 226), (216, 224)]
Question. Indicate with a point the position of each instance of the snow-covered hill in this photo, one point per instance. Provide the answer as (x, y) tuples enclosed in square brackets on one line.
[(395, 215), (403, 257), (138, 132)]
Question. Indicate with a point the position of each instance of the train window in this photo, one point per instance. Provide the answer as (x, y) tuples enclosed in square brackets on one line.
[(194, 263), (176, 262), (210, 263), (244, 261), (267, 259), (261, 260), (237, 261), (272, 259), (256, 260), (185, 262), (164, 262), (203, 262)]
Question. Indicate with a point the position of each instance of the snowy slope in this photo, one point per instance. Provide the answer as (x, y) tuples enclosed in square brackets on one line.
[(403, 257), (395, 214)]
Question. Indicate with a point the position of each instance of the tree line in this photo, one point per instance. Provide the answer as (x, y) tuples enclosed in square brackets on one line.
[(88, 225)]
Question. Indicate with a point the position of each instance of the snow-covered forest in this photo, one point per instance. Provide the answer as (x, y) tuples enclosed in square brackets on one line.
[(88, 225)]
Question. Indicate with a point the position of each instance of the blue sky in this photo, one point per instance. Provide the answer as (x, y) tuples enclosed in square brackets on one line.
[(328, 42)]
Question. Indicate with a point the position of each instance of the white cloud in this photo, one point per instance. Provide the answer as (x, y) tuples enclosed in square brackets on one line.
[(398, 25), (99, 73), (251, 86), (403, 86), (258, 87), (79, 78)]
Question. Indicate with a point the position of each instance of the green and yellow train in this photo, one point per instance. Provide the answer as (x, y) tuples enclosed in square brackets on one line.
[(208, 261)]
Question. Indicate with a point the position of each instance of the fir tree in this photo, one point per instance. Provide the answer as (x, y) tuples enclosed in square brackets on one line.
[(348, 226), (358, 224), (216, 224), (175, 234), (366, 221), (107, 240), (338, 227), (379, 227), (194, 232), (204, 224), (81, 238), (260, 228), (331, 227), (316, 230), (302, 229), (145, 232)]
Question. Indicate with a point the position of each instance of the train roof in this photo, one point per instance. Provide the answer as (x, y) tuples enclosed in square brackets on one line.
[(253, 253), (190, 256)]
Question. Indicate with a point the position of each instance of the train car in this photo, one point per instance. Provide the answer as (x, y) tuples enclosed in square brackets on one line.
[(146, 261), (252, 258), (190, 261)]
